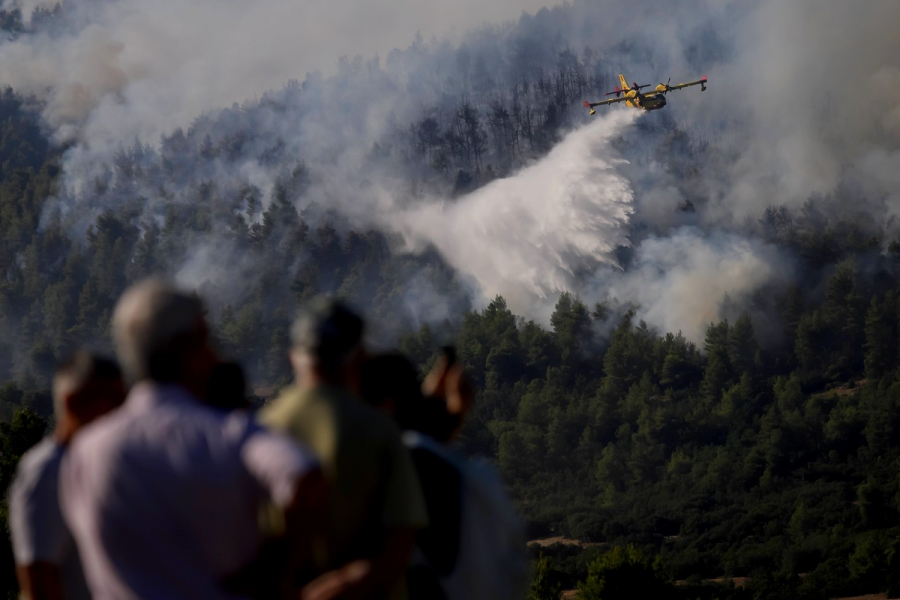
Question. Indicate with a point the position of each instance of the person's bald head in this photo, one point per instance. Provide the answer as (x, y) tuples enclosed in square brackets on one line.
[(160, 333)]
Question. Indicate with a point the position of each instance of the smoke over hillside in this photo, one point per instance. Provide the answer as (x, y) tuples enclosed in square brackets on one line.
[(164, 105)]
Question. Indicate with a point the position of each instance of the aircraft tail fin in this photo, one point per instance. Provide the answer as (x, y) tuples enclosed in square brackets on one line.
[(624, 83)]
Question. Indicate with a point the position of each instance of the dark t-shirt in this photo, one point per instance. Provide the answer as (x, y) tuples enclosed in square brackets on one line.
[(439, 542)]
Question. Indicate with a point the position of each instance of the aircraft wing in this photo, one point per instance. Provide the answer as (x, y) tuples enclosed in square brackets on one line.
[(591, 105), (681, 86)]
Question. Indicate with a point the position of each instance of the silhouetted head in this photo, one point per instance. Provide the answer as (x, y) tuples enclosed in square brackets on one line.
[(161, 335), (85, 387), (228, 387), (391, 382), (327, 344)]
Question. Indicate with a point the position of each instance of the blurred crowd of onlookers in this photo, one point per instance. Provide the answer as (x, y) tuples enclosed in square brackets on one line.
[(160, 480)]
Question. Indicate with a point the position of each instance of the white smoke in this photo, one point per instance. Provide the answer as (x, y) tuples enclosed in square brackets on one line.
[(530, 236), (800, 95), (814, 87), (680, 281)]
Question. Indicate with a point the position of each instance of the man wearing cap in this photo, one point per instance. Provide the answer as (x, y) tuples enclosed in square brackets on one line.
[(375, 501), (164, 496)]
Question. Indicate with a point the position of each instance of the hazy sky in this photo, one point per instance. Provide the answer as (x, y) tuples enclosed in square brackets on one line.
[(156, 65), (377, 26), (327, 29)]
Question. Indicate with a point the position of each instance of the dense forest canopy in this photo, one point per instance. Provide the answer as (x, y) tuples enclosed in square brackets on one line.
[(702, 380)]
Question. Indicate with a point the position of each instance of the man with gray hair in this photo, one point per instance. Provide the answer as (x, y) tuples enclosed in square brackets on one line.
[(163, 498), (85, 387), (375, 501)]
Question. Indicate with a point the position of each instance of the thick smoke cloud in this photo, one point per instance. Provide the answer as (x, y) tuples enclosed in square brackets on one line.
[(813, 94), (679, 282), (804, 101)]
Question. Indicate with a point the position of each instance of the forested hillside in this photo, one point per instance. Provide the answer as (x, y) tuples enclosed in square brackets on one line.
[(767, 450)]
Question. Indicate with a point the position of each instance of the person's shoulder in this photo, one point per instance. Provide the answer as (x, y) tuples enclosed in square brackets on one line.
[(39, 467), (374, 423), (197, 421), (154, 409), (286, 396), (106, 430), (288, 402), (45, 452)]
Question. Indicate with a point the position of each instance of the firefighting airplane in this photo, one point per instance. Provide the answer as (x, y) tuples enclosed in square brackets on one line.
[(633, 97)]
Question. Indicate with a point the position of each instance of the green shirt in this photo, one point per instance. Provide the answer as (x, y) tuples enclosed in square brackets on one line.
[(371, 478)]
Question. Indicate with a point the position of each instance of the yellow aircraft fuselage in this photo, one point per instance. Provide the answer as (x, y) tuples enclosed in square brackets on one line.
[(650, 101)]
